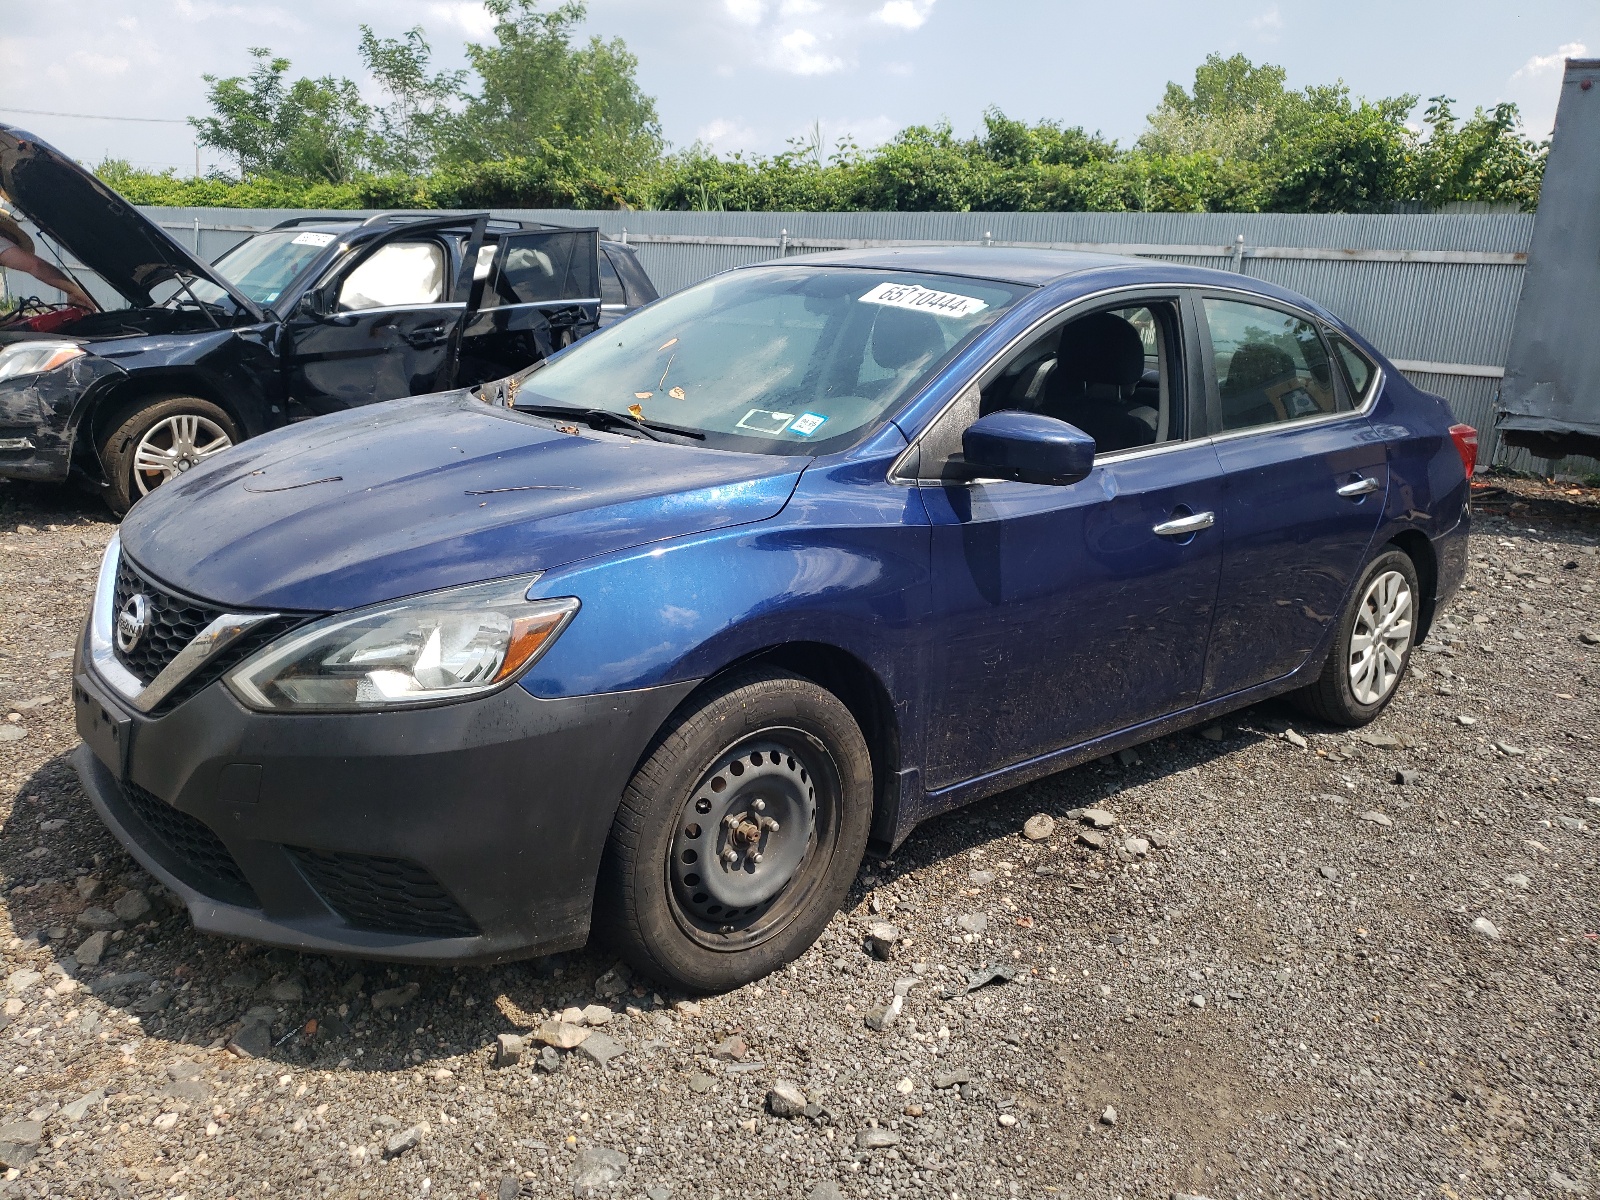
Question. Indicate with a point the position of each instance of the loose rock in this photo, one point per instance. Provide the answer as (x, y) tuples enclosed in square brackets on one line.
[(786, 1099), (881, 939), (1038, 827), (507, 1049), (1377, 818), (1487, 928), (1109, 1117), (396, 997), (877, 1138), (601, 1047), (596, 1171), (90, 949), (406, 1139), (131, 906)]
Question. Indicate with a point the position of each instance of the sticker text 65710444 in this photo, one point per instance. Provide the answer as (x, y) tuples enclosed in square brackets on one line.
[(921, 299)]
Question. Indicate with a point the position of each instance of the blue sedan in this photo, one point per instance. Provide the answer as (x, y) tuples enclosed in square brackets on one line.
[(660, 635)]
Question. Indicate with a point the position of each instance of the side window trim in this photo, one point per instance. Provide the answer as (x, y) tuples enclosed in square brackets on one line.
[(1361, 401), (906, 468), (1209, 362)]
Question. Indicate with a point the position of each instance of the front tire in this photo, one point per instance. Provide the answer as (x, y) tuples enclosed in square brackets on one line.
[(158, 438), (1369, 659), (739, 836)]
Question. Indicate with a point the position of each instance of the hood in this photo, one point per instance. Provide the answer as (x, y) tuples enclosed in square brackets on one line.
[(413, 495), (98, 227)]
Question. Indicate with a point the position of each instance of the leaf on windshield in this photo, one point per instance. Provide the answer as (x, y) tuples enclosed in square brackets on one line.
[(642, 396), (664, 345), (676, 393), (638, 413), (566, 429)]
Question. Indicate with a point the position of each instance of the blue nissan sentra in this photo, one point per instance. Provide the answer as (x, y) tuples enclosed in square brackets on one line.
[(660, 634)]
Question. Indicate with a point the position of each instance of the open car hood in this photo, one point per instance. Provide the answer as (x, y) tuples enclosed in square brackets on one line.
[(98, 227), (405, 497)]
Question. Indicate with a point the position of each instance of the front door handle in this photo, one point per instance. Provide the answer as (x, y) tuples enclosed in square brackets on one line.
[(423, 338), (1183, 526), (1360, 487)]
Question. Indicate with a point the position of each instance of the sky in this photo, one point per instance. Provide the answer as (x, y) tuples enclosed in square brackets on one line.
[(751, 74)]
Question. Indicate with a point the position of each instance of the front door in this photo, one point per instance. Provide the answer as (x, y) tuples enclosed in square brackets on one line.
[(1306, 477), (1065, 613), (387, 325)]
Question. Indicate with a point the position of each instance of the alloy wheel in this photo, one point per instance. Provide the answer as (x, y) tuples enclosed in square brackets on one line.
[(173, 445), (1381, 637)]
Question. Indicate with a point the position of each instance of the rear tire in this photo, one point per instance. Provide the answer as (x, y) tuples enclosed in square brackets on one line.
[(1377, 632), (157, 438), (696, 888)]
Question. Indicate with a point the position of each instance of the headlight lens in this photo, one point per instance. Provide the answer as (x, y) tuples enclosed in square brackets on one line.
[(443, 646), (34, 358)]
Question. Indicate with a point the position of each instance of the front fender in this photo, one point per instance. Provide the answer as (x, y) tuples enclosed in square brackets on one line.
[(44, 411)]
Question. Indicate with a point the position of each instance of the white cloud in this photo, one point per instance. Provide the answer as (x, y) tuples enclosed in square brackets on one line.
[(798, 53), (724, 134), (800, 8), (101, 64), (467, 15), (904, 14), (1541, 64), (1268, 24), (746, 12)]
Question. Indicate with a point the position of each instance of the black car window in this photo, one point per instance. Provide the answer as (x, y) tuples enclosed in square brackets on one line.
[(1114, 373), (636, 284), (538, 268), (396, 275), (1358, 368), (1271, 366), (610, 284)]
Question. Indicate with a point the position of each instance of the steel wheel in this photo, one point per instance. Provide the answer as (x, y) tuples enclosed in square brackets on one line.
[(1381, 637), (743, 852), (173, 445)]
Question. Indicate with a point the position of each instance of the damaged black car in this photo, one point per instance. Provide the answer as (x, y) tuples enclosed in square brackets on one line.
[(184, 359)]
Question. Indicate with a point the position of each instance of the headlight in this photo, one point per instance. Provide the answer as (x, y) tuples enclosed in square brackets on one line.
[(444, 646), (34, 358)]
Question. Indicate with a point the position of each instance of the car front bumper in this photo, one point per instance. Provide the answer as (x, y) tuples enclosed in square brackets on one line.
[(469, 832), (38, 417)]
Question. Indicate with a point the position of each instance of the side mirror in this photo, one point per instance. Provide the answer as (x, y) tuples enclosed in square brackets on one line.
[(1028, 447), (311, 305)]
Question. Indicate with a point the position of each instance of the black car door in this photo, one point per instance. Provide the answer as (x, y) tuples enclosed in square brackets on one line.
[(387, 323), (542, 293)]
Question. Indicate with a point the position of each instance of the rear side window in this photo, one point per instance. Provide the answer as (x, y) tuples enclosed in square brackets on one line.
[(543, 267), (610, 285), (1358, 368), (1272, 367), (635, 283)]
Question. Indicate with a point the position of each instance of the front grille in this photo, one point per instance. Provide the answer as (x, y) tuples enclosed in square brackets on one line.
[(386, 895), (174, 621), (199, 857)]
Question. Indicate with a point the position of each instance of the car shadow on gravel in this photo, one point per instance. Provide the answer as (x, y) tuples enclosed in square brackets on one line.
[(129, 943)]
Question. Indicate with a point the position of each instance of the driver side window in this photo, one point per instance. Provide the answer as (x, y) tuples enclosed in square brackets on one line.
[(1113, 373), (397, 275)]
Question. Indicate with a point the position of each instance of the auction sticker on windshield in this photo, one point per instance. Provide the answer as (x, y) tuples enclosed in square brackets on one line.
[(309, 238), (921, 299)]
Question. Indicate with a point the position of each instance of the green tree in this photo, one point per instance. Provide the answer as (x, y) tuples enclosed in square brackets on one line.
[(317, 129), (1485, 158), (420, 117), (540, 95)]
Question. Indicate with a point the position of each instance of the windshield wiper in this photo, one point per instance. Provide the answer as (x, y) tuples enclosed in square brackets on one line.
[(604, 418)]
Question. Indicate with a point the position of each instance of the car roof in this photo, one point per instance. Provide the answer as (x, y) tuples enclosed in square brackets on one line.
[(1036, 267), (1007, 264)]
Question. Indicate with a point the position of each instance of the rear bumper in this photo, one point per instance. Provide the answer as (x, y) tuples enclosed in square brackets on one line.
[(465, 833)]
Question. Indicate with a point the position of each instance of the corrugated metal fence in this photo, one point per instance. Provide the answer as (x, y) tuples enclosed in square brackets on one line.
[(1437, 293)]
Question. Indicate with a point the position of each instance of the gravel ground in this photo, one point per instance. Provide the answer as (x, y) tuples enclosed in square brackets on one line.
[(1304, 962)]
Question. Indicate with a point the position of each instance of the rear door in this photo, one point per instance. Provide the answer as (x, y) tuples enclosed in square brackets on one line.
[(542, 293), (1305, 475), (386, 324)]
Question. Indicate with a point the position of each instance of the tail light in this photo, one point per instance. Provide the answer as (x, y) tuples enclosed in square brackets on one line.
[(1466, 439)]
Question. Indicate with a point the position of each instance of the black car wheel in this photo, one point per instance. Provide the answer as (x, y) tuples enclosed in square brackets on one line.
[(159, 438), (1376, 633), (738, 837)]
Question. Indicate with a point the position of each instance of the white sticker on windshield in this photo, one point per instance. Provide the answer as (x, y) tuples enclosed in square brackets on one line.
[(808, 423), (759, 420), (311, 239), (910, 295)]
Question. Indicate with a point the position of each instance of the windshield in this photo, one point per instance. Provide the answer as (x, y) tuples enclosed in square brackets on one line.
[(781, 360), (263, 266)]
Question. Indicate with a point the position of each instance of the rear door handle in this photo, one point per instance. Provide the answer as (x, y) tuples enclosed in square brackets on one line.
[(1360, 487), (1181, 526)]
